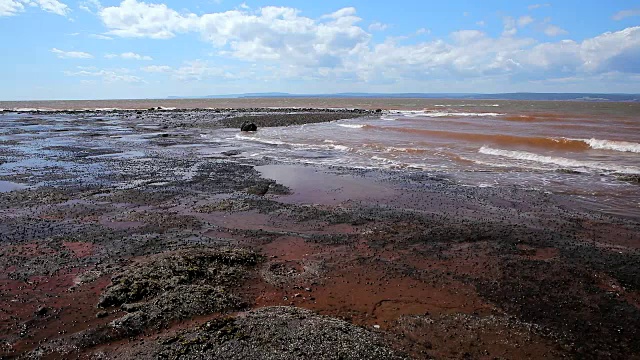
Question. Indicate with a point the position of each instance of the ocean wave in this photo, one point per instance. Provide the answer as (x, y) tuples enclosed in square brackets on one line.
[(558, 161), (464, 105), (435, 114), (623, 146), (503, 139), (460, 114), (327, 146), (352, 126)]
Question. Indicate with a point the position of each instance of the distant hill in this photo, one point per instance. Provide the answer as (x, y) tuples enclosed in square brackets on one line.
[(502, 96)]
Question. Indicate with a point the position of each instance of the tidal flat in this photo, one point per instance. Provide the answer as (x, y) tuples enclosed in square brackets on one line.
[(160, 234)]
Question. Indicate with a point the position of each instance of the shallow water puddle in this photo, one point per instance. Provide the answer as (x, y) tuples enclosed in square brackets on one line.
[(6, 186), (312, 185)]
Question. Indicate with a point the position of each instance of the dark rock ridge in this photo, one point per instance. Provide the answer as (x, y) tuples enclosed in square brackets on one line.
[(248, 126), (269, 333)]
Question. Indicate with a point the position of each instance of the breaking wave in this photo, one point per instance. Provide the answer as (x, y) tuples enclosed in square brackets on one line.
[(558, 161), (352, 126), (623, 146)]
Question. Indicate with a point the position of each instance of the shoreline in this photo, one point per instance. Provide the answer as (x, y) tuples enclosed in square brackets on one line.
[(280, 103), (115, 262)]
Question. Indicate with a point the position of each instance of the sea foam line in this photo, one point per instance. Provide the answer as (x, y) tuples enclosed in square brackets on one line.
[(623, 146), (558, 161), (352, 126)]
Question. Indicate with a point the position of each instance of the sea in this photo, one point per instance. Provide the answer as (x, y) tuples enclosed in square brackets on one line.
[(588, 150)]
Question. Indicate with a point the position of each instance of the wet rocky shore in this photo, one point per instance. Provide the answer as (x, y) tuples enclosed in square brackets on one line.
[(141, 234)]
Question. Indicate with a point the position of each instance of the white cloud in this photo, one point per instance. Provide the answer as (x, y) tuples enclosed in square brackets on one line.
[(157, 69), (91, 6), (129, 56), (71, 54), (524, 20), (378, 26), (625, 14), (139, 19), (198, 70), (270, 33), (480, 23), (553, 30), (537, 6), (510, 28), (100, 37), (335, 46), (12, 7), (52, 6), (108, 76), (423, 31)]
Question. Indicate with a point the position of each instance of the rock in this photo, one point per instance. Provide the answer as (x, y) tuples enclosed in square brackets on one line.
[(102, 314), (378, 111), (272, 333), (248, 126), (42, 311), (231, 152), (634, 178)]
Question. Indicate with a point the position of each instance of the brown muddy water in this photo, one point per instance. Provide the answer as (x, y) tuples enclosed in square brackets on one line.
[(590, 151)]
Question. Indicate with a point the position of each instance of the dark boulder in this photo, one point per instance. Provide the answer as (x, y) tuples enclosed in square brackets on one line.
[(248, 126), (231, 153)]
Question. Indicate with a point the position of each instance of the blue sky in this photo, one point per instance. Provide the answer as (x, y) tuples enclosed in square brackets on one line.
[(91, 49)]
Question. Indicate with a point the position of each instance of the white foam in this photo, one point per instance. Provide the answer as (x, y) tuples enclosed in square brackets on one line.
[(429, 113), (341, 147), (352, 126), (259, 140), (459, 114), (558, 161), (464, 105), (623, 146)]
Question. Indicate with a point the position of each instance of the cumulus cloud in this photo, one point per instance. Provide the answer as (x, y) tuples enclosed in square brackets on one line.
[(129, 56), (336, 46), (139, 19), (270, 33), (71, 54), (157, 69), (91, 6), (12, 7), (554, 30), (625, 14), (524, 20), (52, 6)]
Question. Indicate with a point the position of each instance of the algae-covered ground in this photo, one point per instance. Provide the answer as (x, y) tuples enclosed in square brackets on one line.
[(131, 235)]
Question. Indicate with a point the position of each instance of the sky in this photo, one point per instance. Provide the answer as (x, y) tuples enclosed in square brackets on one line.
[(99, 49)]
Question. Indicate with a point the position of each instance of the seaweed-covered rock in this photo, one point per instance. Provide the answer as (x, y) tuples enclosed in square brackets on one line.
[(270, 333), (164, 272), (248, 126)]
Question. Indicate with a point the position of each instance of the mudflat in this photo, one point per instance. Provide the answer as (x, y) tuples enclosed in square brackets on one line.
[(149, 234)]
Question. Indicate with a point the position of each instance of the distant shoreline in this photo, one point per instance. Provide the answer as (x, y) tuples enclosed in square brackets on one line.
[(368, 103), (583, 97)]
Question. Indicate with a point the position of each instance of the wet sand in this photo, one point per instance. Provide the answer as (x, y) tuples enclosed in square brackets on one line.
[(167, 253)]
